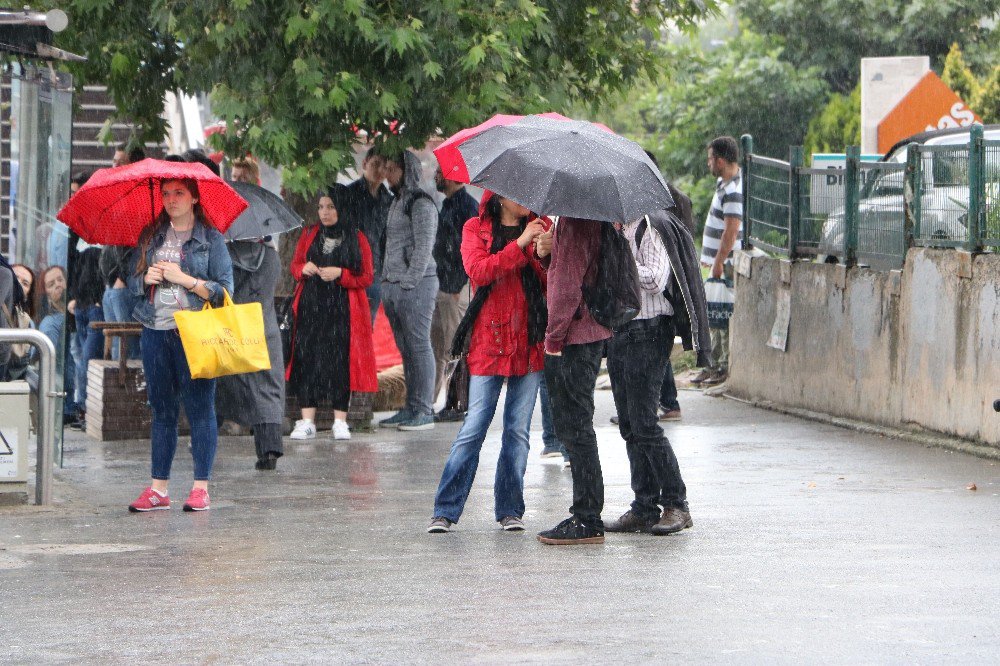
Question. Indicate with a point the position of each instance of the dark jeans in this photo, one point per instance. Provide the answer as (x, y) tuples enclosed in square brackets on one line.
[(637, 357), (571, 379), (91, 344), (374, 293), (168, 382), (668, 390)]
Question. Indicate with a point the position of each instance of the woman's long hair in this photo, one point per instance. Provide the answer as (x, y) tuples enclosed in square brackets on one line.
[(146, 237), (29, 296), (532, 286)]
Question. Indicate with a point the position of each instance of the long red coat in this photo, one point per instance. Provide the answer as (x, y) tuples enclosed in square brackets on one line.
[(499, 342), (362, 353)]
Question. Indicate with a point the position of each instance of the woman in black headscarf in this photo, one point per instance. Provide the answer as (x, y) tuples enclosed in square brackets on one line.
[(332, 352)]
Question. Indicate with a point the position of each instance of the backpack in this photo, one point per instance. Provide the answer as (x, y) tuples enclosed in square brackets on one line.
[(613, 299)]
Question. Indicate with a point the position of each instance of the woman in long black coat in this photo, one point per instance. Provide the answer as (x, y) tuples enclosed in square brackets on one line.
[(257, 400)]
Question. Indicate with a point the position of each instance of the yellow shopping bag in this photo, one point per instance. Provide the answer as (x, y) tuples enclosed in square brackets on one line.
[(223, 341)]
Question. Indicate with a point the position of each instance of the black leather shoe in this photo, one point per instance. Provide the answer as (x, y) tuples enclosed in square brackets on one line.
[(629, 522), (673, 520), (449, 416), (571, 532)]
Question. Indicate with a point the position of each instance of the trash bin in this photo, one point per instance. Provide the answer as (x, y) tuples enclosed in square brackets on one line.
[(15, 435)]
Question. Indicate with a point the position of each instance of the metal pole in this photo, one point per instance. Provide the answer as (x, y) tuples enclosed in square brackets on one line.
[(851, 169), (47, 397), (977, 189), (746, 142), (795, 162)]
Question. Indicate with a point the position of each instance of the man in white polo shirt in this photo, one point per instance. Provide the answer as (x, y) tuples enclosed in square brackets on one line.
[(723, 234)]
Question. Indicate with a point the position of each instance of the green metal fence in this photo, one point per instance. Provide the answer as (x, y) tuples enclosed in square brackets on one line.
[(872, 212), (991, 193)]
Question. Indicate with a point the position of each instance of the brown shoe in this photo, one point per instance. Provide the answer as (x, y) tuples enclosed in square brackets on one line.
[(719, 377), (672, 520), (670, 414), (706, 373), (629, 522)]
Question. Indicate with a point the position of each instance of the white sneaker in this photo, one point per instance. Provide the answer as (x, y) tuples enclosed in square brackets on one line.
[(340, 430), (304, 429)]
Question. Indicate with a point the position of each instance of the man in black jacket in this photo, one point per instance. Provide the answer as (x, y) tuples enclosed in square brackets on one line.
[(453, 293), (365, 204)]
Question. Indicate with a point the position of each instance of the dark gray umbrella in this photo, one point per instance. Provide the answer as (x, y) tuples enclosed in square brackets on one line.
[(566, 167), (267, 214)]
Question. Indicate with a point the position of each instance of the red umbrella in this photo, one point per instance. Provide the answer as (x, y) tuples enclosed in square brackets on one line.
[(116, 204), (450, 159)]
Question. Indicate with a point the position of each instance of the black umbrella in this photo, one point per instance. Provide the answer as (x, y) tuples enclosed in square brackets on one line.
[(267, 215), (566, 167)]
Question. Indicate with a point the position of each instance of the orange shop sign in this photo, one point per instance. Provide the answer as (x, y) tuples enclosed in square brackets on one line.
[(929, 105)]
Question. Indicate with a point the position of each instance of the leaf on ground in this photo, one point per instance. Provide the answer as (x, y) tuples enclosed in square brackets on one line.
[(971, 486)]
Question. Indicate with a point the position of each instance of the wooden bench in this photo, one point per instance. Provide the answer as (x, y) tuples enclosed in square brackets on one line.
[(123, 331)]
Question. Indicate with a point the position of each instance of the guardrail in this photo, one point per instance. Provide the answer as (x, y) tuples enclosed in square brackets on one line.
[(873, 212), (48, 402)]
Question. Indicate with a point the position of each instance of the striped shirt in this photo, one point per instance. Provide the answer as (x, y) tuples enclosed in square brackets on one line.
[(653, 265), (726, 202)]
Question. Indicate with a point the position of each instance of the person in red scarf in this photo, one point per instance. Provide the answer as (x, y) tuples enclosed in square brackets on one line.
[(332, 352)]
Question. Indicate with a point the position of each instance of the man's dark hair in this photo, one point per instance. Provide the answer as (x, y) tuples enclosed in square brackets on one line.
[(80, 178), (726, 148), (195, 155), (137, 154), (652, 158)]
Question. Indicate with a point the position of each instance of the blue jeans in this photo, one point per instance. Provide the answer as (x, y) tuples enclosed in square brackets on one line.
[(549, 438), (168, 382), (91, 345), (460, 470), (118, 305)]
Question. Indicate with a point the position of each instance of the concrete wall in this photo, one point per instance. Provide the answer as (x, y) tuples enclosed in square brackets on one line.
[(916, 347)]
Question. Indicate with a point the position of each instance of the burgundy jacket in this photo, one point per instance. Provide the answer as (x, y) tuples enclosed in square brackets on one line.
[(576, 246)]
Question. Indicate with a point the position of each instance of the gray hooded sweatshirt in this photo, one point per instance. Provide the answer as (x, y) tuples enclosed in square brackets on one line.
[(409, 239)]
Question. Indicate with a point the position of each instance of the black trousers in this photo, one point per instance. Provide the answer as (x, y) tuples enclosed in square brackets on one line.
[(637, 360), (571, 379)]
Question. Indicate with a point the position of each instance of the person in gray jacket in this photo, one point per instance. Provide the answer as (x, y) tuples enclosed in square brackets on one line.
[(410, 287)]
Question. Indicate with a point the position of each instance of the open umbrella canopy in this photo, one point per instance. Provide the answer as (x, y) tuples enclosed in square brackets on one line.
[(557, 166), (116, 204), (267, 215)]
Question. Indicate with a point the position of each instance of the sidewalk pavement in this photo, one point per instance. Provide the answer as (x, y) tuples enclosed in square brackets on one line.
[(811, 544)]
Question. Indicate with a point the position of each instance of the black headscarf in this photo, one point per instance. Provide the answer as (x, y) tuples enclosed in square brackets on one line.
[(348, 255)]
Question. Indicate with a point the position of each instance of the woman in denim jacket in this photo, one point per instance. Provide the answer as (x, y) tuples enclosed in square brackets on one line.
[(181, 262)]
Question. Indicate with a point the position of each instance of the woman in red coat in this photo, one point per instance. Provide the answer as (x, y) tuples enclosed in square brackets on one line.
[(505, 328), (332, 353)]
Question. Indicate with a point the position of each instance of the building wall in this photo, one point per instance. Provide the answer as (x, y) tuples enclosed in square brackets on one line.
[(917, 347)]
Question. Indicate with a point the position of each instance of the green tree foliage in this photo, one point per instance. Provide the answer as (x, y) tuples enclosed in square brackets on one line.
[(296, 81), (744, 87), (837, 126), (957, 76), (988, 102), (834, 34)]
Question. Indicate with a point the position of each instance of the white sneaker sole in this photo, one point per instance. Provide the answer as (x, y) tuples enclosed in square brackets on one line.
[(342, 436), (155, 508), (300, 436), (410, 428)]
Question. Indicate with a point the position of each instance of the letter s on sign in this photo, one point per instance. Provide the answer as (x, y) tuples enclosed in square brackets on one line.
[(962, 114)]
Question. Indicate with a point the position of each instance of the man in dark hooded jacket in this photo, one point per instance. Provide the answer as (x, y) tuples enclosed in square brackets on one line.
[(410, 287)]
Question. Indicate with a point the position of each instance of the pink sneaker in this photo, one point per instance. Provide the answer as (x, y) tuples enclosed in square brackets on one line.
[(149, 500), (197, 500)]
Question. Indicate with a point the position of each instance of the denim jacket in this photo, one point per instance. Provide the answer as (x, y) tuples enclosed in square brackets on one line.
[(204, 256)]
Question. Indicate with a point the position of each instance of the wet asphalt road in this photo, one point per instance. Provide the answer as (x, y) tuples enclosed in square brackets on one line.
[(811, 543)]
